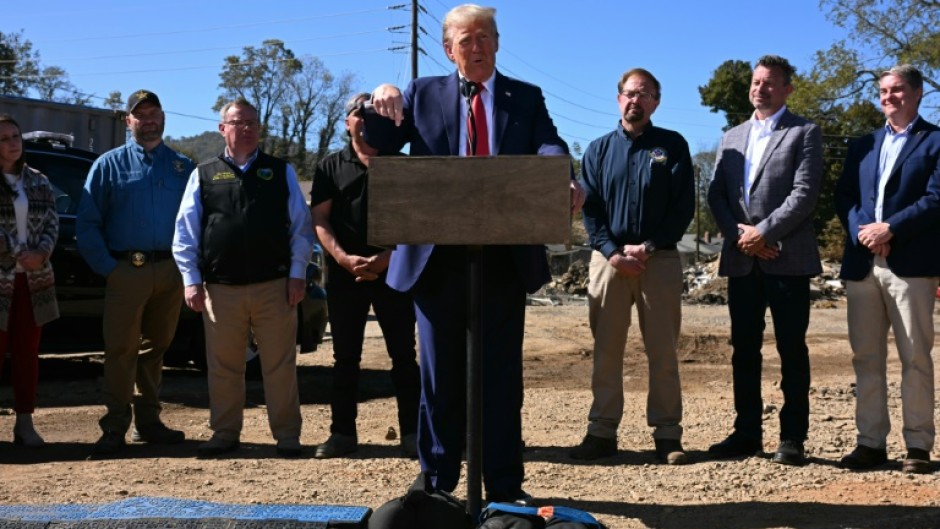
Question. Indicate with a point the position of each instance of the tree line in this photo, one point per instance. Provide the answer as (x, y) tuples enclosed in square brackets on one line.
[(300, 101)]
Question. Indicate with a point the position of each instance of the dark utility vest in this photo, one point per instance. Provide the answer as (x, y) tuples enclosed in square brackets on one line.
[(245, 219)]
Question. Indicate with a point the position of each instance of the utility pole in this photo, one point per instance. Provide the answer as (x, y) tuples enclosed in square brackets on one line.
[(414, 39), (698, 215)]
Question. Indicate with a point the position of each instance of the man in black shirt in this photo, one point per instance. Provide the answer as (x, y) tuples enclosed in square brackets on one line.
[(356, 281)]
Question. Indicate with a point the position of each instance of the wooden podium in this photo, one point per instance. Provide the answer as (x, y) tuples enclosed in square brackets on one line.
[(472, 201)]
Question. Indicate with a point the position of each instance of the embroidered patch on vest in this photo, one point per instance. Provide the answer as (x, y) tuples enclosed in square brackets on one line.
[(224, 175)]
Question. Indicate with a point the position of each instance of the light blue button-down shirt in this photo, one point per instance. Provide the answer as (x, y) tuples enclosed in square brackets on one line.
[(188, 237), (890, 149), (130, 202)]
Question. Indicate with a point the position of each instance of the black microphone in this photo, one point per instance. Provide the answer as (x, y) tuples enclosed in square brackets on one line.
[(468, 90)]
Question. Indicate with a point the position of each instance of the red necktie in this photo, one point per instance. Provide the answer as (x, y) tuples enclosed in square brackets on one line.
[(477, 133)]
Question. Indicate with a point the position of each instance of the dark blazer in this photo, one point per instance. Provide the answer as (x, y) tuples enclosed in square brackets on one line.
[(432, 127), (911, 203), (783, 197)]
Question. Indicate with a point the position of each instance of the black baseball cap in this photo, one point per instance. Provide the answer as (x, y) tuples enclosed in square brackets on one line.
[(141, 96)]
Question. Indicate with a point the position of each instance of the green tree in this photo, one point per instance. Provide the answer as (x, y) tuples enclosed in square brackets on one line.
[(114, 101), (726, 91), (262, 76), (19, 64), (53, 85), (882, 34)]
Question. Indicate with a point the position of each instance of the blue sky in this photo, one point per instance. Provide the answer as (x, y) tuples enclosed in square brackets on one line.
[(575, 51)]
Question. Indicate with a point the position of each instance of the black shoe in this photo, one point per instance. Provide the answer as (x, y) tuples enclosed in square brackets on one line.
[(593, 447), (217, 446), (864, 458), (288, 447), (520, 497), (736, 446), (337, 445), (790, 453), (110, 442), (917, 461), (670, 452), (157, 433)]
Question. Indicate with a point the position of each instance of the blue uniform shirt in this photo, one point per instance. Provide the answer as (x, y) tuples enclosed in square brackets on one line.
[(129, 202), (637, 190)]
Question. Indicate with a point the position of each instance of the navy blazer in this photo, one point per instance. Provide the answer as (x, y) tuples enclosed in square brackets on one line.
[(911, 203), (432, 126)]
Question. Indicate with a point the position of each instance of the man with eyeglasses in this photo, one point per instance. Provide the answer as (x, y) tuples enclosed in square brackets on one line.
[(640, 199), (124, 230), (766, 183), (356, 275), (243, 240)]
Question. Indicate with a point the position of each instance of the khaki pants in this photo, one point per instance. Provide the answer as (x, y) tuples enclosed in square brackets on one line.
[(231, 311), (657, 294), (905, 304), (141, 309)]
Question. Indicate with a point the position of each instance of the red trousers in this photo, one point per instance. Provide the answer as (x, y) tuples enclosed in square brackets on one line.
[(22, 340)]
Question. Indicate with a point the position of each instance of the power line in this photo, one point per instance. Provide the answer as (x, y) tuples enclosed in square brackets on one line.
[(550, 76), (228, 27), (200, 50), (189, 68)]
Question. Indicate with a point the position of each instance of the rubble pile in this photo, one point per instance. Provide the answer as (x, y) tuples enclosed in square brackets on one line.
[(701, 284), (574, 282)]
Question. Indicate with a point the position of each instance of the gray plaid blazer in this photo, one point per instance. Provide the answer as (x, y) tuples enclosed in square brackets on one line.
[(782, 199)]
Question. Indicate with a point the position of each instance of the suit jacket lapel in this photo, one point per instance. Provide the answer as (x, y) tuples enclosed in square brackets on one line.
[(917, 135), (450, 110), (502, 101), (738, 142), (870, 169)]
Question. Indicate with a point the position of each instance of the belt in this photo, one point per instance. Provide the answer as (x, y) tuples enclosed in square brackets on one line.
[(141, 257)]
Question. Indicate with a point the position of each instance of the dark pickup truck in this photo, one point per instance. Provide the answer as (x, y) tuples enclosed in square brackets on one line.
[(80, 291)]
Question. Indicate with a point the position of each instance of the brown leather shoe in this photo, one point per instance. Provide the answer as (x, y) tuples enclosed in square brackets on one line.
[(670, 452), (917, 461)]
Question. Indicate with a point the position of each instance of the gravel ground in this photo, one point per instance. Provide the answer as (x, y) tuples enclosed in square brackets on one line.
[(629, 490)]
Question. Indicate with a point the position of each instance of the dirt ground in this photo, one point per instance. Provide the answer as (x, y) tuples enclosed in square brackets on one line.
[(628, 491)]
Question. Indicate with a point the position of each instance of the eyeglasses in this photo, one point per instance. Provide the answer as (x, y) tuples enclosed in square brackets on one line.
[(243, 123), (639, 96)]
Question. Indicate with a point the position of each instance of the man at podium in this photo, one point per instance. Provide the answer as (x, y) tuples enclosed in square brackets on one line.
[(475, 111)]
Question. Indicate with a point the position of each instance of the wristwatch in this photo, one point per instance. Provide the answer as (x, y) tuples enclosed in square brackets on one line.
[(649, 247)]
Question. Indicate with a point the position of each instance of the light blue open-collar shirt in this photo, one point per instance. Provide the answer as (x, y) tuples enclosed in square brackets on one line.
[(890, 150)]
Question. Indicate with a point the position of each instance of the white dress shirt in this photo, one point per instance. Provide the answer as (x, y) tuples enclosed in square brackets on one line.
[(757, 140)]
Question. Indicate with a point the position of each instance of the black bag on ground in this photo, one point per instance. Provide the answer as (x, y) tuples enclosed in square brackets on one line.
[(422, 508), (512, 516)]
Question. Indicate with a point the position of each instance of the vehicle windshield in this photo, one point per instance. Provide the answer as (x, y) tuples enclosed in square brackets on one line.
[(67, 175)]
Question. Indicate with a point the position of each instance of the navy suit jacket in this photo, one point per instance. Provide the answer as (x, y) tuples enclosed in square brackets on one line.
[(911, 203), (432, 126)]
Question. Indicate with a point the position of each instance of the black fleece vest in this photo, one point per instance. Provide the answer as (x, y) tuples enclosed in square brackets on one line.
[(245, 219)]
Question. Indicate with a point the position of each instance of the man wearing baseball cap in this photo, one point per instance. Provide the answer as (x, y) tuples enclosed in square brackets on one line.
[(124, 229), (355, 281)]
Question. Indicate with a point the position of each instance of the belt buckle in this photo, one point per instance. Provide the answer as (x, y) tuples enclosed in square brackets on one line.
[(138, 259)]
